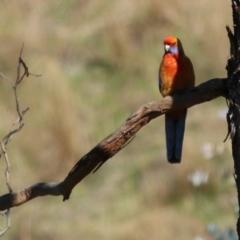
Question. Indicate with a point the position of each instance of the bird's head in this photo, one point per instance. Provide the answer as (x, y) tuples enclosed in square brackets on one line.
[(173, 46)]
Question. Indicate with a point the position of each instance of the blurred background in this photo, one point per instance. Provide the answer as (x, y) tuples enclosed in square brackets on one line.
[(99, 62)]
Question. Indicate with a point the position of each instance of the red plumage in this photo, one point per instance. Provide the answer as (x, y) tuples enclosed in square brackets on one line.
[(175, 74)]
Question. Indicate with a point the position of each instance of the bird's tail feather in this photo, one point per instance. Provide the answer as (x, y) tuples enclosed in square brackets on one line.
[(174, 128)]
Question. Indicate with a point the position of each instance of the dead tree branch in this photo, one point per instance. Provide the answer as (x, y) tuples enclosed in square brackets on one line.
[(112, 144), (233, 85), (16, 127)]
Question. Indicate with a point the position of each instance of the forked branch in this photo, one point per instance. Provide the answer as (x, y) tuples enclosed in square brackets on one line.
[(16, 127)]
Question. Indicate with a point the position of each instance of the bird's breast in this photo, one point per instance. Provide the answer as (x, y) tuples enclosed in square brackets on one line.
[(176, 74), (168, 72)]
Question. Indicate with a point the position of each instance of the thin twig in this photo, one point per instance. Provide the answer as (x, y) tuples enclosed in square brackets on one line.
[(34, 75), (6, 78), (19, 66), (17, 104), (16, 127), (7, 171)]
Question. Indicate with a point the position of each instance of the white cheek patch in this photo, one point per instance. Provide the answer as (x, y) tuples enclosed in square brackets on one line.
[(171, 49), (167, 47)]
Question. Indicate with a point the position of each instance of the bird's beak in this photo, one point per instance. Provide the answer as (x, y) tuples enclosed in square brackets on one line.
[(166, 47)]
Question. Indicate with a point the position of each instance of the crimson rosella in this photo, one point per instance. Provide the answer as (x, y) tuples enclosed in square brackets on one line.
[(175, 75)]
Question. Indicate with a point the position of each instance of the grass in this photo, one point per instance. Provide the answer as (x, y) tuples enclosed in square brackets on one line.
[(99, 62)]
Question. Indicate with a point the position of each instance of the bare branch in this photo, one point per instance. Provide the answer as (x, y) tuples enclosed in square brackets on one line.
[(112, 144), (7, 171), (16, 127)]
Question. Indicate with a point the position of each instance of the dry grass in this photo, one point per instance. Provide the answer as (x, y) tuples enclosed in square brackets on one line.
[(99, 62)]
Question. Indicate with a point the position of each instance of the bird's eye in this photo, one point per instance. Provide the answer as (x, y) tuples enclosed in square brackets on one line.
[(175, 43)]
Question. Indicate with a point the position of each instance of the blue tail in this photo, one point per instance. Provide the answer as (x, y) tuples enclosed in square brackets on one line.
[(174, 128)]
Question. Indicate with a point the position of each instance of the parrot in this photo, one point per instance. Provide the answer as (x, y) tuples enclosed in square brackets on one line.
[(176, 74)]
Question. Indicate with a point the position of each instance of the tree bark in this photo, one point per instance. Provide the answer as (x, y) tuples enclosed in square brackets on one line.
[(233, 96)]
